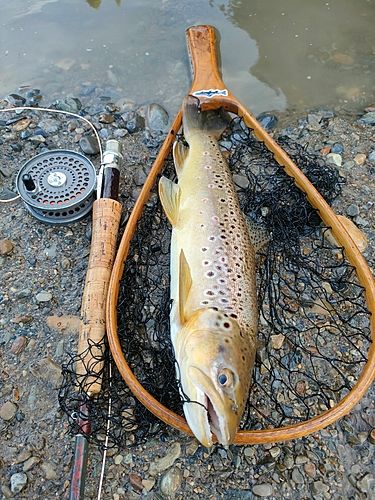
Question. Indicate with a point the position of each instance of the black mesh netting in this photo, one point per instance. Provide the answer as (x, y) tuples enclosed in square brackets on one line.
[(314, 324)]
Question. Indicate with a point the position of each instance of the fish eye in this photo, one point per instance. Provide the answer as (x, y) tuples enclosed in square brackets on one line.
[(225, 378)]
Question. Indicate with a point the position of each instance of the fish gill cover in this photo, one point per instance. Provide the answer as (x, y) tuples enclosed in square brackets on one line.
[(314, 323)]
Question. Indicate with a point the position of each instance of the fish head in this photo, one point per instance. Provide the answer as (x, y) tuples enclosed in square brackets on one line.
[(214, 366)]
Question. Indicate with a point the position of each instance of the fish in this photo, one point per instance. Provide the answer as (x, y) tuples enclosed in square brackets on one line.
[(214, 312)]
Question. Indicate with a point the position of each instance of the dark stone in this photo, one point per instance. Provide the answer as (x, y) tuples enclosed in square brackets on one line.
[(15, 100), (49, 126), (16, 147), (352, 210), (268, 121), (87, 90), (89, 145), (337, 148), (156, 117), (133, 121), (70, 104), (152, 140), (104, 133), (368, 118)]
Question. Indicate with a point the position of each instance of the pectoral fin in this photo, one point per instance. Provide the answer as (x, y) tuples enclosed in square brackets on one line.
[(169, 194), (259, 237), (184, 284), (180, 153)]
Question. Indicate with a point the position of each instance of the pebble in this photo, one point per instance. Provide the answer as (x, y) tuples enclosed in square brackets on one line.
[(241, 181), (277, 341), (17, 482), (319, 488), (51, 251), (262, 490), (43, 296), (125, 104), (15, 100), (106, 118), (139, 176), (288, 461), (118, 459), (6, 491), (170, 482), (314, 121), (352, 210), (310, 469), (89, 144), (49, 125), (8, 410), (334, 159), (275, 451), (167, 461), (360, 158), (29, 463), (367, 119), (148, 484), (337, 148), (268, 121), (6, 246), (70, 104), (367, 485), (136, 481), (371, 156), (21, 125), (119, 133), (49, 470), (22, 318), (156, 117), (133, 121), (192, 447), (297, 476), (24, 455), (18, 345)]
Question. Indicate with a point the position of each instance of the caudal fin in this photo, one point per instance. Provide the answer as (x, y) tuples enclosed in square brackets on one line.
[(212, 122)]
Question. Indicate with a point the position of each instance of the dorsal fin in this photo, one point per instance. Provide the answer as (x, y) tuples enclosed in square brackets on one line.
[(180, 152), (169, 194), (184, 286)]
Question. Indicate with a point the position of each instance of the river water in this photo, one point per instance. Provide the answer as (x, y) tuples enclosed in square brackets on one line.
[(276, 54)]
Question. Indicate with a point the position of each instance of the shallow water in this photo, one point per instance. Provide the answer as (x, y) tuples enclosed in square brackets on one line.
[(276, 54)]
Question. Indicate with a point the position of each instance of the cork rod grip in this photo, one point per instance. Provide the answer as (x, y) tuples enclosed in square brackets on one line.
[(106, 221)]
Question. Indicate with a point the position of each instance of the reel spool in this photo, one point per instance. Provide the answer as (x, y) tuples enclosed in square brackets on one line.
[(57, 187)]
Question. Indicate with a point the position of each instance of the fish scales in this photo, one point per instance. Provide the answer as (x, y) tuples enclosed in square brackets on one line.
[(214, 236), (214, 314)]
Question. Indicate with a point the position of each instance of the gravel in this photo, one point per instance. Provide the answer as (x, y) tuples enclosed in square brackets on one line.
[(42, 272)]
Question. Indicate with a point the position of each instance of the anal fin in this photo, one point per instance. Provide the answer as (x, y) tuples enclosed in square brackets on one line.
[(184, 286)]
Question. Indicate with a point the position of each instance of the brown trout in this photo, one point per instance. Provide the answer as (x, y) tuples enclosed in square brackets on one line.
[(214, 315)]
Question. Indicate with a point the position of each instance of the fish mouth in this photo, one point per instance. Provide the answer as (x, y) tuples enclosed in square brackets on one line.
[(207, 413)]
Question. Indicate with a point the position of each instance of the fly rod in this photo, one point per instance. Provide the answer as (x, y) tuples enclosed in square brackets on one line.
[(91, 344)]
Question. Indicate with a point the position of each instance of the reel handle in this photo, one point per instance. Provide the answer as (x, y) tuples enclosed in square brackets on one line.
[(105, 225)]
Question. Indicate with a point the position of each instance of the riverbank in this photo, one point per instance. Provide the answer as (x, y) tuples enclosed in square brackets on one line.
[(42, 271)]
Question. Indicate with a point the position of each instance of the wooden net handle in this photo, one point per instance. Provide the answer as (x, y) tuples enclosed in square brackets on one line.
[(201, 44), (106, 221)]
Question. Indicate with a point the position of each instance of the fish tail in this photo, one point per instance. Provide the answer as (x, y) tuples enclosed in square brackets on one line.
[(212, 122)]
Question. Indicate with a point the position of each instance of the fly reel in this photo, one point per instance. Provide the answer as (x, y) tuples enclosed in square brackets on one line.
[(57, 187)]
